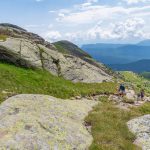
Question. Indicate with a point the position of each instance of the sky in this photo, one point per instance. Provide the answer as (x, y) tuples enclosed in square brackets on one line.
[(81, 21)]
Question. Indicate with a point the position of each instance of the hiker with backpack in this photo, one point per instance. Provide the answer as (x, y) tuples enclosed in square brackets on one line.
[(141, 95), (121, 90)]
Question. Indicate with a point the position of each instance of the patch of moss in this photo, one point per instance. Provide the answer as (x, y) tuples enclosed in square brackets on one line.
[(3, 37), (69, 48), (60, 48)]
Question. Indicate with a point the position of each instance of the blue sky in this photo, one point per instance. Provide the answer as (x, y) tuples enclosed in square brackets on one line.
[(81, 21)]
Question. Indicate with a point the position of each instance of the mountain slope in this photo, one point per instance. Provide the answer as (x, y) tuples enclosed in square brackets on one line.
[(138, 66), (145, 75), (67, 47), (117, 53), (26, 49), (144, 43)]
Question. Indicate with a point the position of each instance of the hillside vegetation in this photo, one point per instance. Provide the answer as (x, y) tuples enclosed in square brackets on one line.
[(67, 47), (16, 80), (145, 75), (136, 81)]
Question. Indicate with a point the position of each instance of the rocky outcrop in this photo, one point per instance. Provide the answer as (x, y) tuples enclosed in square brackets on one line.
[(141, 128), (69, 48), (29, 50), (30, 122), (131, 95), (18, 32)]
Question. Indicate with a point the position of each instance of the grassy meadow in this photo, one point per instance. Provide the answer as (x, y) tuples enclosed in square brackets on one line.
[(15, 80)]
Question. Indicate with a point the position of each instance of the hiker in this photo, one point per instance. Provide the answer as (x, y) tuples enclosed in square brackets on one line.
[(142, 94), (121, 90)]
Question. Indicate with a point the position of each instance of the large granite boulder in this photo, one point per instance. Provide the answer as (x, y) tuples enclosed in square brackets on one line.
[(40, 122), (29, 50), (131, 95), (141, 128)]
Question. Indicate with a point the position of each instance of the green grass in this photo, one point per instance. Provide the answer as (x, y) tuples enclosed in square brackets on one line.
[(21, 80), (142, 110), (109, 128), (3, 37), (70, 48), (145, 75), (60, 48), (138, 82)]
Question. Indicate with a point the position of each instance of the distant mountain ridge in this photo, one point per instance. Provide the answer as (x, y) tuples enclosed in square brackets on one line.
[(138, 66), (144, 43), (118, 53)]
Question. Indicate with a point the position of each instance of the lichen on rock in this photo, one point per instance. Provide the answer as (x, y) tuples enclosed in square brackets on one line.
[(141, 128), (30, 122)]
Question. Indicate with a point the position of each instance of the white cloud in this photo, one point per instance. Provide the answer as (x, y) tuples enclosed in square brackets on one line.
[(136, 1), (52, 36), (52, 11), (92, 21), (83, 14), (130, 28), (122, 30), (91, 14)]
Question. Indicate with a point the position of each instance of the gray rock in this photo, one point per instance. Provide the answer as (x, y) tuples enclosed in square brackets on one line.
[(141, 128), (131, 95), (42, 122), (29, 50)]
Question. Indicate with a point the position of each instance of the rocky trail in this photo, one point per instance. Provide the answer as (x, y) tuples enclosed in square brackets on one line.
[(128, 101), (30, 121), (139, 126)]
